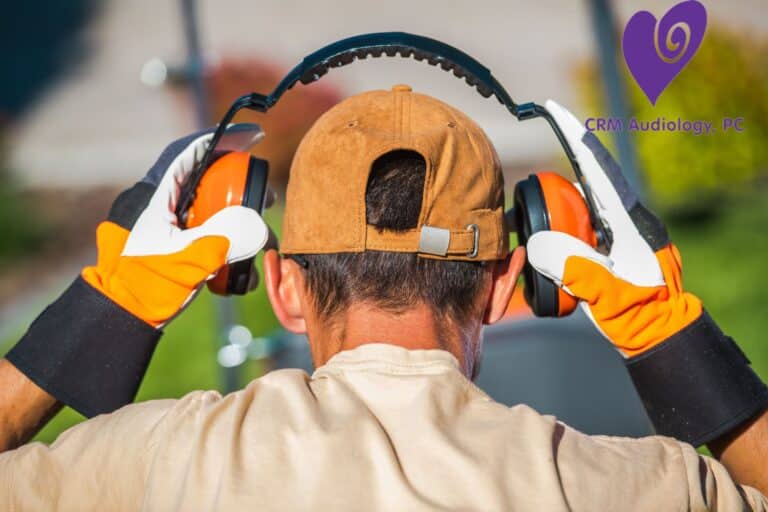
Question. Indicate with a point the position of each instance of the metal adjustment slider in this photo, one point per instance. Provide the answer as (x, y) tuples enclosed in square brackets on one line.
[(476, 246)]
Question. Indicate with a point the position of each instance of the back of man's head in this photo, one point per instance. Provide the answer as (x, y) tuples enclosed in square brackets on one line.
[(395, 200), (395, 281)]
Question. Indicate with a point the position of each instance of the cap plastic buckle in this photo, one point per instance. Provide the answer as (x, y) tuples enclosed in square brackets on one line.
[(434, 240), (476, 246)]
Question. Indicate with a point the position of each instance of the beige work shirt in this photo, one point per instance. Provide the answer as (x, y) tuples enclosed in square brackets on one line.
[(377, 428)]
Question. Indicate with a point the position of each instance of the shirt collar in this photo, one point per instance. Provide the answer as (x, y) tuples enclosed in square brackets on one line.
[(386, 358)]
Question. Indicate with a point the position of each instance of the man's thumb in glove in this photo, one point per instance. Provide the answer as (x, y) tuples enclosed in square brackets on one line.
[(570, 263), (589, 276), (621, 311), (233, 234), (167, 265), (635, 318), (242, 226)]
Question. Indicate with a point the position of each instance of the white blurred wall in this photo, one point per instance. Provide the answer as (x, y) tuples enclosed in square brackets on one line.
[(103, 126)]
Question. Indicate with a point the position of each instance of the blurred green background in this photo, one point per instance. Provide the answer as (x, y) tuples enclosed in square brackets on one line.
[(692, 175)]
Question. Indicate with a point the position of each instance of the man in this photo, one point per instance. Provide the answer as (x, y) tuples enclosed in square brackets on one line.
[(394, 254)]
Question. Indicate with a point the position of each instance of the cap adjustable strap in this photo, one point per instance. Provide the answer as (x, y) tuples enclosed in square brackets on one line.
[(427, 240), (441, 242)]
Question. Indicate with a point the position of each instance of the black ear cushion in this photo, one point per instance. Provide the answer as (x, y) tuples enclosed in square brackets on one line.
[(256, 184), (242, 274), (531, 216), (239, 277)]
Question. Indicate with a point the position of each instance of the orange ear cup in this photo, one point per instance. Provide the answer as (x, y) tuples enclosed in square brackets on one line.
[(568, 213), (222, 185)]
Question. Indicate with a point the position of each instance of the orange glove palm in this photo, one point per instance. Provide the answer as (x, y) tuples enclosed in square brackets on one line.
[(153, 288), (635, 318)]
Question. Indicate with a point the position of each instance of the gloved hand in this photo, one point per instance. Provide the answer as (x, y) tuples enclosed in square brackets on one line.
[(91, 347), (634, 296), (146, 263), (695, 382)]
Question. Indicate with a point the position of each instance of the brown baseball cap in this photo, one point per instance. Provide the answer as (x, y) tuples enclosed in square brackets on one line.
[(462, 212)]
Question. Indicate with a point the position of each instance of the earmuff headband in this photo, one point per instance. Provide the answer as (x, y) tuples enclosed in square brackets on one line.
[(391, 44)]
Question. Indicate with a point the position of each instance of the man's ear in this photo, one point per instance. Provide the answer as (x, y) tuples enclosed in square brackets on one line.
[(505, 274), (284, 283)]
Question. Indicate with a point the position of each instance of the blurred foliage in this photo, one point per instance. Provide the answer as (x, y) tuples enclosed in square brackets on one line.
[(724, 265), (21, 230), (232, 76), (727, 78)]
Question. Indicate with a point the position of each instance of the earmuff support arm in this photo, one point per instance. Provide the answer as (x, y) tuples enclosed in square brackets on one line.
[(390, 44)]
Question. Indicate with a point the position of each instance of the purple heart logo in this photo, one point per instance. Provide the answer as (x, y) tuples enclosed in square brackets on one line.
[(656, 51)]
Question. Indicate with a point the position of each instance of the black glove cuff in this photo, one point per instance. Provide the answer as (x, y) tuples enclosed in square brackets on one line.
[(86, 351), (697, 385)]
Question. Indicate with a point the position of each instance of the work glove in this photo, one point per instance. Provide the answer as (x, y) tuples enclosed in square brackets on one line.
[(91, 347), (150, 266), (695, 382), (633, 295)]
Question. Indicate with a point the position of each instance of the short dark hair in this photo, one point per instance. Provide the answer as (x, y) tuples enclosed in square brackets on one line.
[(394, 281)]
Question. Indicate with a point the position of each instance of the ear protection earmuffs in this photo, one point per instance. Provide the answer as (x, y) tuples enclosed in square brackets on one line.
[(548, 202), (234, 179), (544, 201)]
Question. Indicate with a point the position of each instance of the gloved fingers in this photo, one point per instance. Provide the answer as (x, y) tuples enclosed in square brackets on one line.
[(590, 277), (634, 259), (172, 151), (549, 251), (672, 268), (162, 204), (603, 175), (243, 227), (160, 212)]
